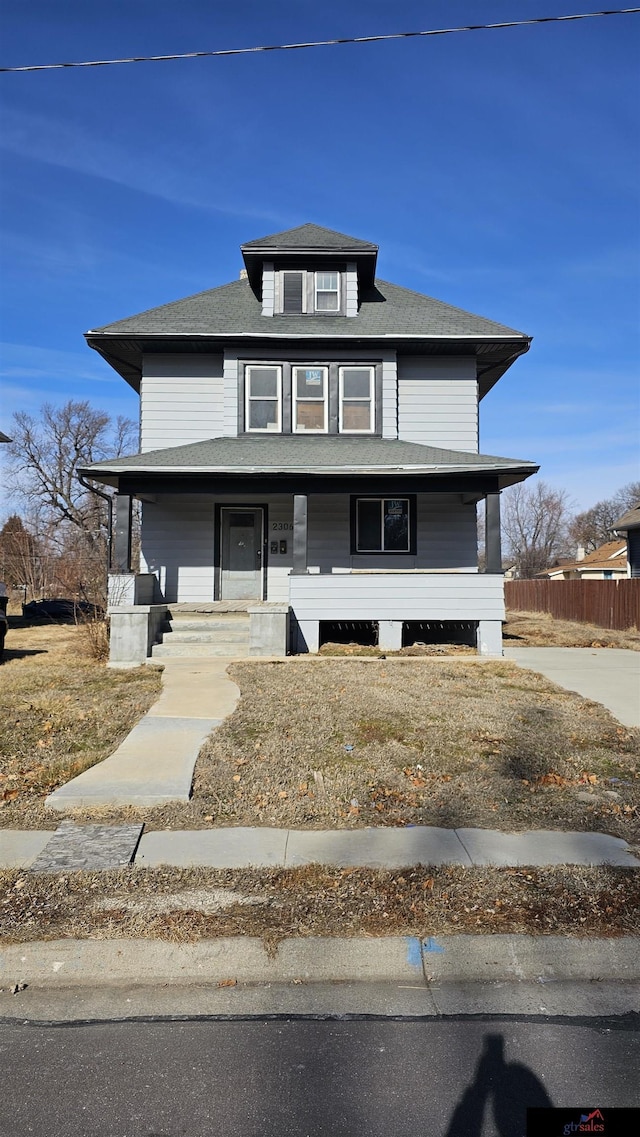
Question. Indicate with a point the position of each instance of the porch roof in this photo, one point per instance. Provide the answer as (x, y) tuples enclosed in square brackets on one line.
[(261, 454)]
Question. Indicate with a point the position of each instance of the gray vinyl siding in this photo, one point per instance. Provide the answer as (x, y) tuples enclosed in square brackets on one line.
[(180, 400), (389, 396), (438, 401), (230, 397), (268, 289), (417, 596), (178, 546), (351, 291)]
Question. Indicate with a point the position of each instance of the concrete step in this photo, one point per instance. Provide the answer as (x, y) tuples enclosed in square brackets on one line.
[(200, 623), (170, 649), (207, 635)]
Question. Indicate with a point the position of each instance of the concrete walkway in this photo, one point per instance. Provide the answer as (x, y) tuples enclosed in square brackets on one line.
[(155, 762), (95, 847), (610, 676)]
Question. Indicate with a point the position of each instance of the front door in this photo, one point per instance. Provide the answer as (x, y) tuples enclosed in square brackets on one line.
[(241, 549)]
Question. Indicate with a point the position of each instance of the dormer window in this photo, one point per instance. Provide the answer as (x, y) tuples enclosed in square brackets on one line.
[(307, 292), (327, 294)]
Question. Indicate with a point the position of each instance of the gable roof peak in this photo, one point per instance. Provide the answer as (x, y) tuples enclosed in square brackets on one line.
[(310, 237)]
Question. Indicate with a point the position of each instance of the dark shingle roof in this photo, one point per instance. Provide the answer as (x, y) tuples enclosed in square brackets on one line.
[(233, 310), (264, 453), (310, 237), (629, 520)]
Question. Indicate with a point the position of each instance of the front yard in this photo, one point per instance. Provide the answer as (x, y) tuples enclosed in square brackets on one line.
[(330, 743), (325, 743)]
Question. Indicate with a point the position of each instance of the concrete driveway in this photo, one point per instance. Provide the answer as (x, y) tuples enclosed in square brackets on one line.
[(610, 676)]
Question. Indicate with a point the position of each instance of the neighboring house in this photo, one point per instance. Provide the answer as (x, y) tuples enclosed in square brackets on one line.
[(3, 437), (629, 523), (609, 562), (309, 436)]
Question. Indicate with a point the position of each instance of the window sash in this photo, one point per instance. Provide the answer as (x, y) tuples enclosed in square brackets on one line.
[(326, 289), (354, 401), (389, 510), (321, 400), (251, 399)]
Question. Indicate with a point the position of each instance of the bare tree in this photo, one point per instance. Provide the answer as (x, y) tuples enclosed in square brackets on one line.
[(43, 459), (594, 526), (535, 522)]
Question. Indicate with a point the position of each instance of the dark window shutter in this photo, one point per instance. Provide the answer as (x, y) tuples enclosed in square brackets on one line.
[(292, 292)]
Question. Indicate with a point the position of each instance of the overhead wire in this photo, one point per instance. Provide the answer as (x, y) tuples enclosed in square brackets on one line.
[(324, 42)]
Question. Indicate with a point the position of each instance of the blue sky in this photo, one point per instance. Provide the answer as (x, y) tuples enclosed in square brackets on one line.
[(498, 171)]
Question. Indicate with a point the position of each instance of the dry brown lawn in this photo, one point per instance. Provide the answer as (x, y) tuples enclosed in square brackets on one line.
[(194, 904), (343, 743), (539, 629), (60, 712), (330, 743)]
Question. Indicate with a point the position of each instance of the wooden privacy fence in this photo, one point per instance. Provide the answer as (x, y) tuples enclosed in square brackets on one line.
[(608, 603)]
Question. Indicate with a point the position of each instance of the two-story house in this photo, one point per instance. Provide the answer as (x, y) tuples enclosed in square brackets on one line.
[(309, 437)]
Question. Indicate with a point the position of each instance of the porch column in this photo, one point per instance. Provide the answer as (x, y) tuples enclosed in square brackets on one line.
[(492, 544), (122, 537), (299, 534)]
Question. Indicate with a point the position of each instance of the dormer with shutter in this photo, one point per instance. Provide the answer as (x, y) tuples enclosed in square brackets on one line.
[(310, 271)]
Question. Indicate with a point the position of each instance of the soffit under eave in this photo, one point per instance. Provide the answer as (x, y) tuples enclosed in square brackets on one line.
[(125, 354)]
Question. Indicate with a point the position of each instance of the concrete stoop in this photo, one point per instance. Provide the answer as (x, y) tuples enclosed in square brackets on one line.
[(204, 635)]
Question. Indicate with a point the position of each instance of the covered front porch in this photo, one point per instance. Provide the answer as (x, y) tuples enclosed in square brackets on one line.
[(383, 533)]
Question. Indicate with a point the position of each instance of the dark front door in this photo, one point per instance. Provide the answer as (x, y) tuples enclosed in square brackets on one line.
[(241, 549)]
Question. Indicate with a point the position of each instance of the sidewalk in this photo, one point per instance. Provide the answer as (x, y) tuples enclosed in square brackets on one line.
[(610, 676), (96, 847), (155, 762)]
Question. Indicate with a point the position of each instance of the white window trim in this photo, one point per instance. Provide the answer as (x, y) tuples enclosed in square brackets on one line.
[(381, 501), (342, 400), (277, 426), (295, 429), (326, 291)]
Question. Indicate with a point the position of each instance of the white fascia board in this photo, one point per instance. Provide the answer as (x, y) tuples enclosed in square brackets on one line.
[(354, 336), (329, 470)]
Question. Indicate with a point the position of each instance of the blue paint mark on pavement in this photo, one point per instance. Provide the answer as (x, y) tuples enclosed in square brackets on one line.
[(414, 955), (432, 945)]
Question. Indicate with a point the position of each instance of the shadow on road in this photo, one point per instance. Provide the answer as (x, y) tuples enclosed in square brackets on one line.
[(510, 1087)]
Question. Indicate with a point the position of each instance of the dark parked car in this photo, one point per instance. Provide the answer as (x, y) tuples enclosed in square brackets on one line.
[(64, 610)]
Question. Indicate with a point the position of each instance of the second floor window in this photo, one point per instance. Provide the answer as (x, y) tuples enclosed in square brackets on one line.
[(356, 400), (264, 398), (310, 399)]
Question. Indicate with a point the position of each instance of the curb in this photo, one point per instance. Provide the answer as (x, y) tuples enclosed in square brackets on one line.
[(244, 960)]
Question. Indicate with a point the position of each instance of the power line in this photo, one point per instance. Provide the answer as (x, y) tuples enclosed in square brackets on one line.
[(326, 42)]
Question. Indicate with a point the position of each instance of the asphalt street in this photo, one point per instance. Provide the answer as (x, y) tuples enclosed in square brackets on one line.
[(460, 1077)]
